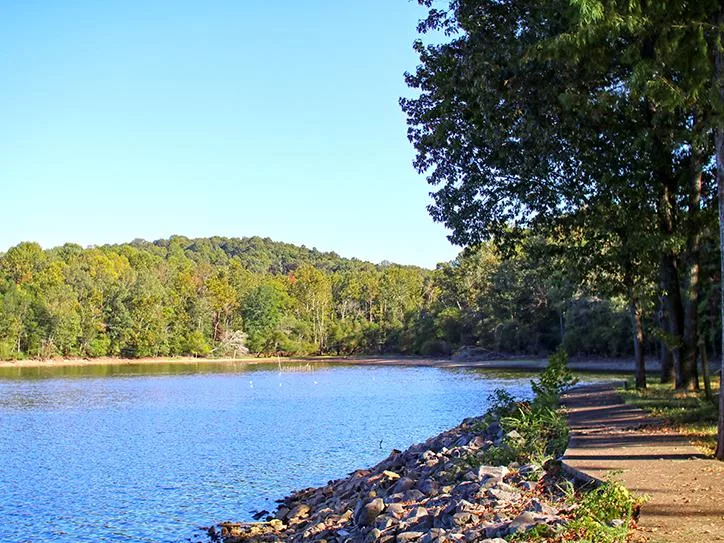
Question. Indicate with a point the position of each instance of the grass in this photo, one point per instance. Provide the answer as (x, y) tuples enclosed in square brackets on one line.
[(602, 515), (687, 412)]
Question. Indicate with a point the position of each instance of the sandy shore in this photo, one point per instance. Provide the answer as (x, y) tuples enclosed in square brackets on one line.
[(522, 364)]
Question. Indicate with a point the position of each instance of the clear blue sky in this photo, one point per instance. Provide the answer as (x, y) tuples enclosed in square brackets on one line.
[(146, 118)]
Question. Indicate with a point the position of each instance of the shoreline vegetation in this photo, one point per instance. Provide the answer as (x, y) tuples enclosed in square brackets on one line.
[(228, 297), (491, 477)]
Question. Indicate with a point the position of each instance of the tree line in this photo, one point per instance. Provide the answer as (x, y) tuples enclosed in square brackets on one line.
[(227, 297)]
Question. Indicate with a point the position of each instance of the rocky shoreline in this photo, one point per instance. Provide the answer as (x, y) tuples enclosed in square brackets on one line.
[(434, 492)]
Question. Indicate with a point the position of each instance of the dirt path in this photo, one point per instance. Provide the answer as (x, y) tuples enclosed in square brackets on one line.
[(686, 490)]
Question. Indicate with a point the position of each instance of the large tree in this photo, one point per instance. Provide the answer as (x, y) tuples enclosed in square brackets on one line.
[(674, 51)]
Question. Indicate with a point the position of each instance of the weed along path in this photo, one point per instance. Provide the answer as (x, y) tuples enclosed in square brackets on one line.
[(611, 439)]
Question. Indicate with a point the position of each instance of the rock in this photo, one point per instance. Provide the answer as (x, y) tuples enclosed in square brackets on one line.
[(503, 497), (434, 535), (523, 522), (299, 512), (383, 522), (404, 537), (367, 513), (396, 510), (232, 529), (413, 495), (538, 506), (427, 494), (494, 531), (461, 519), (419, 519), (282, 512), (466, 489), (464, 506), (402, 485), (428, 486), (277, 524), (492, 472), (259, 514), (529, 469), (444, 520), (462, 441)]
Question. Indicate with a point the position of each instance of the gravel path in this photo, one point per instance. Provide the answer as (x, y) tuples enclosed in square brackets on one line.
[(685, 489)]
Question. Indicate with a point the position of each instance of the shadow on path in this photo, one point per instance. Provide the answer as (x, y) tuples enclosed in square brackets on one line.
[(611, 439)]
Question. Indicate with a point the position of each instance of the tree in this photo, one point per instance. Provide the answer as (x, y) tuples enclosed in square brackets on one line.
[(585, 151), (312, 291), (677, 68), (262, 311)]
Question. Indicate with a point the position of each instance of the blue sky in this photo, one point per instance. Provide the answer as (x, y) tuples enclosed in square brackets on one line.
[(142, 119)]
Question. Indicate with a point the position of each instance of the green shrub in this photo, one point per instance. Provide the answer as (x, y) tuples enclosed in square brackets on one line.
[(197, 344), (602, 515), (554, 380), (99, 346)]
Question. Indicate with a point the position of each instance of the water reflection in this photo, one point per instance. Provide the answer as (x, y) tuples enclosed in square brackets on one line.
[(143, 369), (153, 458)]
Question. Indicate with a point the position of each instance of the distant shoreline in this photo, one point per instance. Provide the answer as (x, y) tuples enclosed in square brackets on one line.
[(592, 365)]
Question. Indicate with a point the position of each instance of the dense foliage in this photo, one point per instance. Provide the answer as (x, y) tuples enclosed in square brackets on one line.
[(226, 297), (594, 122)]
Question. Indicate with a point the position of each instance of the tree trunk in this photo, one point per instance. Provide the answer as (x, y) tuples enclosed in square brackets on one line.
[(638, 339), (705, 370), (674, 310), (719, 140), (636, 326), (688, 377), (665, 359), (670, 283)]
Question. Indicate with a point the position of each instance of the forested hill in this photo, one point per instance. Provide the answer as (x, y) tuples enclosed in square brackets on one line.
[(256, 254), (226, 296), (206, 296)]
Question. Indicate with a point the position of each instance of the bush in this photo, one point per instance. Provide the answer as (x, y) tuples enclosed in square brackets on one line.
[(98, 346), (554, 380), (7, 351), (197, 345)]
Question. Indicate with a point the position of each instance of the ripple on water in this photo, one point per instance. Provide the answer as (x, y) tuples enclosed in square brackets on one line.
[(152, 458)]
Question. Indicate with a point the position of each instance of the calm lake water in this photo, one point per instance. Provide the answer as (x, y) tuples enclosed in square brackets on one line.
[(134, 455)]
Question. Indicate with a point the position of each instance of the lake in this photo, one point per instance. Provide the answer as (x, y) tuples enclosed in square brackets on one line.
[(150, 454)]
